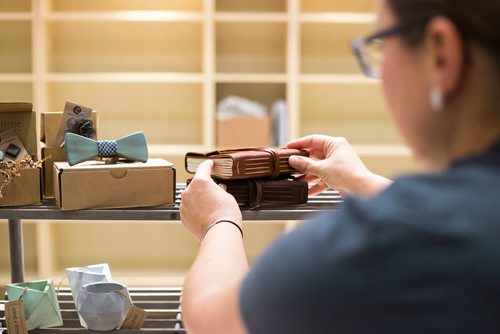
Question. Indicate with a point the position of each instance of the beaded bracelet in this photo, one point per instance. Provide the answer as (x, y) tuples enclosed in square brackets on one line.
[(217, 222)]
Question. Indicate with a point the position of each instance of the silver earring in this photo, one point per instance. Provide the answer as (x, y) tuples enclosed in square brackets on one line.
[(436, 100)]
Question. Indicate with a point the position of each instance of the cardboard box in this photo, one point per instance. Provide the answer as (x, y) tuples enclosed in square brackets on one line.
[(26, 188), (95, 184), (244, 131), (50, 122), (56, 154)]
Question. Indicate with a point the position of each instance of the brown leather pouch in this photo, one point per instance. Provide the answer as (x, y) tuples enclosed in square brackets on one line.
[(246, 163), (265, 193)]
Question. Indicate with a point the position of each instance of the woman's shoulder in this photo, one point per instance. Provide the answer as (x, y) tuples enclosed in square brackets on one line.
[(460, 203), (437, 200)]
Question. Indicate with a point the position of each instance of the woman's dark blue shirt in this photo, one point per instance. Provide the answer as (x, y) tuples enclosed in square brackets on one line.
[(421, 257)]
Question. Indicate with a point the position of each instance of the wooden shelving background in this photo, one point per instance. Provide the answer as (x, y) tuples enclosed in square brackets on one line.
[(161, 66)]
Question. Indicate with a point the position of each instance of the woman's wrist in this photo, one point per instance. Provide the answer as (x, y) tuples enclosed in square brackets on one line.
[(221, 221), (368, 184)]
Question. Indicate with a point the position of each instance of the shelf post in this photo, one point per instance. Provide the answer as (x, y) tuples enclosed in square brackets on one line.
[(209, 74), (293, 61), (16, 251)]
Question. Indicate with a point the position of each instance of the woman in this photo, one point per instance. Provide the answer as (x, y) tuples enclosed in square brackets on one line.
[(420, 255)]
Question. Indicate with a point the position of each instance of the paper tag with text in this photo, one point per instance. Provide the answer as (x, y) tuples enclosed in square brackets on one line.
[(135, 318), (15, 317)]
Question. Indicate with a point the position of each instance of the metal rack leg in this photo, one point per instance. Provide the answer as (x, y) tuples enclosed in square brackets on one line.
[(16, 250)]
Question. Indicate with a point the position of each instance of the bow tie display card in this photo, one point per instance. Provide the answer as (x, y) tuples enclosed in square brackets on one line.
[(76, 119), (50, 122), (51, 151), (96, 184), (20, 180)]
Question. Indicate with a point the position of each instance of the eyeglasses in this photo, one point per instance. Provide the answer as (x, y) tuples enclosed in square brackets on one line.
[(370, 50)]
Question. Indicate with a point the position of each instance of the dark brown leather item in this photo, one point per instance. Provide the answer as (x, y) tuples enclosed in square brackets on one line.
[(246, 163), (259, 193), (265, 193)]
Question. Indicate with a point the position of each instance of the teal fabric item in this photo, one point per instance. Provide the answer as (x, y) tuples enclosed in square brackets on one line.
[(79, 148), (40, 303)]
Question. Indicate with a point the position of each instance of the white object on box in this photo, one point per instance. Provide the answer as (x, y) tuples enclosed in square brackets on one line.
[(279, 115), (234, 106)]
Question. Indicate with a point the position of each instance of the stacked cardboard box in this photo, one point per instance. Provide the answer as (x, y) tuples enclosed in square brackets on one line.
[(26, 188), (95, 184), (51, 152)]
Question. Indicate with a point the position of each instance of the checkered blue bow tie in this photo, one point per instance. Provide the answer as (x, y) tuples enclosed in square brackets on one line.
[(79, 148)]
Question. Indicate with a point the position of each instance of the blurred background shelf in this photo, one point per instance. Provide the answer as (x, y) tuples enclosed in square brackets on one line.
[(162, 66), (136, 16)]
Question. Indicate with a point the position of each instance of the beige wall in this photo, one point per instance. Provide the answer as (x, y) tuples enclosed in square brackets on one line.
[(163, 72)]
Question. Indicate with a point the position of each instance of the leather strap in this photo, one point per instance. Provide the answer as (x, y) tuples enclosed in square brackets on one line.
[(251, 193), (275, 161), (255, 193)]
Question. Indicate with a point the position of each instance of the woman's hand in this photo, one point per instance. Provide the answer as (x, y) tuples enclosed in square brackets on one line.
[(204, 202), (332, 163)]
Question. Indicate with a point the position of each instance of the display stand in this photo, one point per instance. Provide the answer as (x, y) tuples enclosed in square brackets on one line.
[(49, 211), (162, 304)]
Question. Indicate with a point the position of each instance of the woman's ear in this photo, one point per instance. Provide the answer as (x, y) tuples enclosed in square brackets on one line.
[(446, 55)]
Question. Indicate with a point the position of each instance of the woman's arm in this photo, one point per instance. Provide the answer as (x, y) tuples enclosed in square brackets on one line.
[(210, 301)]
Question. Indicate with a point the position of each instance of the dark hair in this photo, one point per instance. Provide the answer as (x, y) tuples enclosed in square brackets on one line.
[(478, 20)]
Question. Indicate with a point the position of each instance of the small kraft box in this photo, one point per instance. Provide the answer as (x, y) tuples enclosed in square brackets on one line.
[(50, 122), (24, 189), (244, 131), (95, 184)]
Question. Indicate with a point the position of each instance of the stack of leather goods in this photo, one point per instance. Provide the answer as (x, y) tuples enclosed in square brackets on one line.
[(256, 177)]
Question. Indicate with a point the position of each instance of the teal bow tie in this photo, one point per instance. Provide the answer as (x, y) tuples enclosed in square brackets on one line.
[(79, 148)]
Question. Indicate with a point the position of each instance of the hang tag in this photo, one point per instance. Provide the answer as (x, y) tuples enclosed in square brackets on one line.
[(15, 317), (135, 318), (76, 119)]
